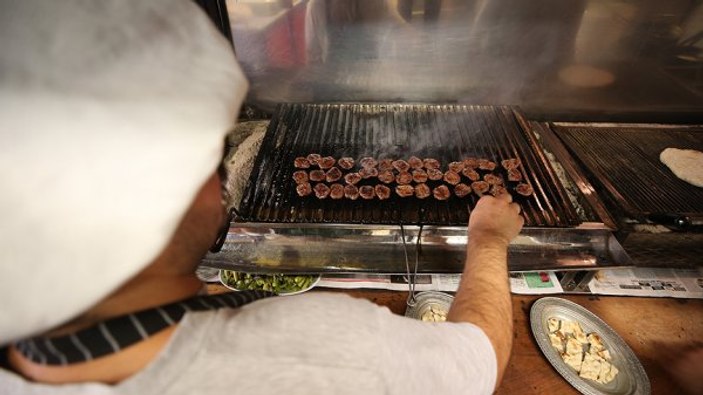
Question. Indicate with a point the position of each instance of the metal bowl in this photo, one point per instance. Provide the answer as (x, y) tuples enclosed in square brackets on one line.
[(426, 300), (315, 280)]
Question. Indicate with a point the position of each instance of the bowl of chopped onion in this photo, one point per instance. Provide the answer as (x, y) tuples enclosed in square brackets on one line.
[(431, 306)]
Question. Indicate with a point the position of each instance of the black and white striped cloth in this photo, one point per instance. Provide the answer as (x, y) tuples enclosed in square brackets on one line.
[(120, 332)]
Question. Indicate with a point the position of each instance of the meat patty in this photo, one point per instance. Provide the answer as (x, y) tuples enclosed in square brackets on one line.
[(471, 174), (493, 179), (368, 162), (336, 191), (321, 190), (313, 158), (405, 190), (301, 163), (431, 163), (462, 190), (317, 175), (404, 178), (385, 164), (351, 192), (346, 163), (419, 176), (422, 191), (401, 165), (510, 164), (333, 175), (327, 162), (452, 178), (441, 192), (382, 191), (366, 192), (485, 164), (456, 167), (415, 162), (434, 174), (471, 163), (386, 176), (304, 189), (300, 176), (368, 172), (352, 178), (514, 175), (480, 187), (524, 189)]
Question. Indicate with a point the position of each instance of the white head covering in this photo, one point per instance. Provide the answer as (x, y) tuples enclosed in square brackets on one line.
[(112, 115)]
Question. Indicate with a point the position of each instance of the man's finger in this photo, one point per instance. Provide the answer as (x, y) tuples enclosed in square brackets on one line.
[(505, 196), (516, 207)]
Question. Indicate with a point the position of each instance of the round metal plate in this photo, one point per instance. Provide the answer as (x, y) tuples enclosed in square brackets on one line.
[(631, 379)]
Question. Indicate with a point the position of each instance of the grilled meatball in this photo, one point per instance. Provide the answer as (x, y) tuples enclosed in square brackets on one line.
[(385, 164), (514, 175), (452, 178), (352, 178), (401, 165), (419, 176), (386, 177), (441, 192), (317, 175), (382, 191), (497, 190), (405, 190), (422, 191), (456, 167), (336, 191), (368, 172), (404, 178), (431, 163), (366, 192), (470, 163), (368, 162), (351, 192), (485, 164), (471, 174), (304, 189), (321, 190), (510, 164), (313, 158), (301, 163), (462, 190), (480, 187), (524, 189), (333, 174), (434, 174), (492, 179), (327, 162), (415, 162), (346, 163), (300, 177)]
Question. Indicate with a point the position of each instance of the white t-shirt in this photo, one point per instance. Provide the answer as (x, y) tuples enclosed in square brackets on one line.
[(315, 343)]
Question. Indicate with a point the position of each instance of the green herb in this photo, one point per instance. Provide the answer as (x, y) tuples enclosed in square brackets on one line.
[(276, 283)]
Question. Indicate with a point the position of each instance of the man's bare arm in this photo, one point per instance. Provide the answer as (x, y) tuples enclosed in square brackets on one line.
[(483, 297)]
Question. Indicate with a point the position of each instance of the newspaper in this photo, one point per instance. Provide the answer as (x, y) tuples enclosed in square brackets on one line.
[(680, 283), (530, 283)]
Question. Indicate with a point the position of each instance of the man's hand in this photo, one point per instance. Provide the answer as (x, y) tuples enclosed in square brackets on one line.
[(495, 219)]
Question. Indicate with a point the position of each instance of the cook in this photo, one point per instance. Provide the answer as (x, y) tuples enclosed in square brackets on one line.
[(112, 120)]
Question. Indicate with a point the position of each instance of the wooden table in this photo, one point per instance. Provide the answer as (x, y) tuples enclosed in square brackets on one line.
[(652, 327)]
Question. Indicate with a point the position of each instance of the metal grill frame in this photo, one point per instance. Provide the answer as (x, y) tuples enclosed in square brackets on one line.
[(360, 129)]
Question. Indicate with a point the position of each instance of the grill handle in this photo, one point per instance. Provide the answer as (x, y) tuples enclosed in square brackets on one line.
[(678, 221)]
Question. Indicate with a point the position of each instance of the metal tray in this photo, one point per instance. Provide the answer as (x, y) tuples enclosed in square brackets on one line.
[(632, 379)]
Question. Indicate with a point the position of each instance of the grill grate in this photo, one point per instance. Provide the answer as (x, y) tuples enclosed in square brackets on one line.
[(625, 161), (444, 132)]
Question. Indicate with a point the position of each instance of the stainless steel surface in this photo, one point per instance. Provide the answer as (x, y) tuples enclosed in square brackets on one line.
[(631, 379), (665, 250), (554, 58), (276, 247)]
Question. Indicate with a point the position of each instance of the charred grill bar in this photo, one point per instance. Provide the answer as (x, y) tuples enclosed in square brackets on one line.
[(278, 230)]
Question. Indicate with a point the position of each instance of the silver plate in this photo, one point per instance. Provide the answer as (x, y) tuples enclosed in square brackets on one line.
[(631, 379)]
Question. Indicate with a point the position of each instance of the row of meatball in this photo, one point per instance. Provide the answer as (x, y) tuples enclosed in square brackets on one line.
[(347, 163), (420, 191)]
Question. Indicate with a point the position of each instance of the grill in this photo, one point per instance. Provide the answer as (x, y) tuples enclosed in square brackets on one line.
[(625, 162), (444, 132)]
